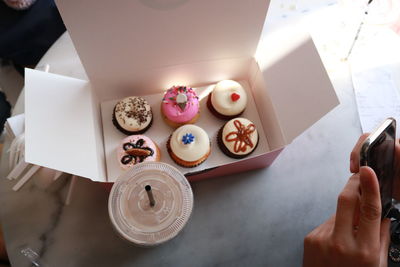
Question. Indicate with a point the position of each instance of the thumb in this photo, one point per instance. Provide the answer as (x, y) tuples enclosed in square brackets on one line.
[(370, 207), (385, 241)]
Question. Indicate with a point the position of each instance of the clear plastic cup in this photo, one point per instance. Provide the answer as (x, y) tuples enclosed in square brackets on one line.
[(129, 207)]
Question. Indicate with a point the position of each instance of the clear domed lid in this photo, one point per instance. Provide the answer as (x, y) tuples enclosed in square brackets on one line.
[(131, 212)]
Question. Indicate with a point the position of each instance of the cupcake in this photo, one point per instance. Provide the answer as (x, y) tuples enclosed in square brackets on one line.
[(189, 145), (135, 149), (238, 138), (227, 100), (180, 105), (132, 115)]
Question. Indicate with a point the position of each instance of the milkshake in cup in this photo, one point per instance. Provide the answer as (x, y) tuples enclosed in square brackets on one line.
[(150, 203)]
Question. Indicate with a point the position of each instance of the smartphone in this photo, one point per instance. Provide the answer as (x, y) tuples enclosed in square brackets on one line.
[(377, 152)]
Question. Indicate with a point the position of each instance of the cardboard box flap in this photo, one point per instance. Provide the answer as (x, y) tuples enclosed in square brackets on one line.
[(297, 82), (121, 41), (60, 130)]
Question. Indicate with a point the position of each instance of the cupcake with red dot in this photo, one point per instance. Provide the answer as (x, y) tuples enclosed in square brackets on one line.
[(227, 100), (180, 105)]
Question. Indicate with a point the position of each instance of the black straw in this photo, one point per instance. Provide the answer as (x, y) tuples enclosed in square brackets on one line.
[(150, 195)]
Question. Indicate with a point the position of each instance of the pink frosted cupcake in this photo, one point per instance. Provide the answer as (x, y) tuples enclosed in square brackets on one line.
[(135, 149), (180, 105)]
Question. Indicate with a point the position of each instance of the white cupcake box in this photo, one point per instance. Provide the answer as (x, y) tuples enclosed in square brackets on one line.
[(142, 47)]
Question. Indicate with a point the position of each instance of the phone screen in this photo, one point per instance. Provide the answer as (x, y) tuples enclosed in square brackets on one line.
[(380, 157)]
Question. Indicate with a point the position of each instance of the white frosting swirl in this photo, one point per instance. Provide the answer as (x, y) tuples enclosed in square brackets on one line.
[(221, 98), (133, 113), (194, 150), (247, 131)]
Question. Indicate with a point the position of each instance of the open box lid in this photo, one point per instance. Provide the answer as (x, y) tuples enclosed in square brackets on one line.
[(121, 42), (295, 79), (60, 125)]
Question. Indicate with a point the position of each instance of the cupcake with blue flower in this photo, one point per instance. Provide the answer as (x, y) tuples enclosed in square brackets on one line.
[(189, 145)]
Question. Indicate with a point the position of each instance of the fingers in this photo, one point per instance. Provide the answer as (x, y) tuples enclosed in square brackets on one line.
[(355, 154), (385, 242), (328, 225), (324, 228), (346, 208), (314, 243), (370, 207)]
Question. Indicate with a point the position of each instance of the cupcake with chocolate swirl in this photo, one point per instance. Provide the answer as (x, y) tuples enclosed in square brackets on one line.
[(132, 115), (238, 138), (135, 149)]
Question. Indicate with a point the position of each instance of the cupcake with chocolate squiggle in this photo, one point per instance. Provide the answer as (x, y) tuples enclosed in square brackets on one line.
[(238, 138), (180, 105), (135, 149)]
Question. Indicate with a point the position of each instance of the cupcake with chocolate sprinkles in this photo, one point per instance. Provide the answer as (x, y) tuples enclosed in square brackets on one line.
[(135, 149), (238, 138), (132, 115)]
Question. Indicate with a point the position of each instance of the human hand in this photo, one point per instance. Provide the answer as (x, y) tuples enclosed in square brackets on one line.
[(355, 163), (355, 235)]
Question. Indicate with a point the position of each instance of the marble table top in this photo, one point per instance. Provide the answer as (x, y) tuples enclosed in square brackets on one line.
[(257, 218)]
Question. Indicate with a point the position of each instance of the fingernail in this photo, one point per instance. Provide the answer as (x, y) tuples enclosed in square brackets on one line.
[(351, 164)]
